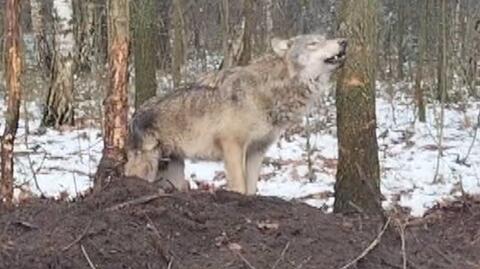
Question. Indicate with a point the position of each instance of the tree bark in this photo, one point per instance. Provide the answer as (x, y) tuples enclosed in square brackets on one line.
[(357, 186), (144, 30), (116, 102), (13, 72), (59, 107)]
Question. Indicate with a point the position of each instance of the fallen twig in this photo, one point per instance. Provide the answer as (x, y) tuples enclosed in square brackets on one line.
[(370, 247), (79, 238), (244, 260), (282, 255), (141, 200), (90, 263)]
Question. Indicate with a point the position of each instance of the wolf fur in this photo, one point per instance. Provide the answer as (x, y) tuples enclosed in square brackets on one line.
[(233, 115)]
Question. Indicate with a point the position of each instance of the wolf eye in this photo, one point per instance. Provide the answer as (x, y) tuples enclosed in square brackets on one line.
[(312, 43)]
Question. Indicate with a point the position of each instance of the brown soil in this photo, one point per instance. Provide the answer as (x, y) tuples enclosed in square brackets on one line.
[(225, 230)]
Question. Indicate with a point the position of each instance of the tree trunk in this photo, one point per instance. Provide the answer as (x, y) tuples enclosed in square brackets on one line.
[(43, 43), (357, 186), (422, 45), (442, 72), (225, 21), (144, 30), (269, 23), (116, 102), (401, 29), (13, 66), (178, 42), (83, 14), (164, 52), (59, 107), (248, 15), (100, 31)]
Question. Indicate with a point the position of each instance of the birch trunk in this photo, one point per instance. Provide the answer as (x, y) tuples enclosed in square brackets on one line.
[(59, 109)]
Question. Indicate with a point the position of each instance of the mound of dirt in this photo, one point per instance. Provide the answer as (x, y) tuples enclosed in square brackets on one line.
[(129, 225)]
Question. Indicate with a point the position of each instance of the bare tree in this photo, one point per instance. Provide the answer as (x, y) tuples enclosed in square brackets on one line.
[(59, 105), (12, 76), (116, 101), (357, 187)]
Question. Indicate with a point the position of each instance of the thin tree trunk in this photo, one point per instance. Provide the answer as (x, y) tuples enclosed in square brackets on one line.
[(246, 53), (178, 41), (116, 102), (144, 30), (164, 52), (269, 23), (225, 21), (59, 107), (422, 43), (442, 75), (357, 187), (401, 29), (43, 43), (83, 14), (13, 72)]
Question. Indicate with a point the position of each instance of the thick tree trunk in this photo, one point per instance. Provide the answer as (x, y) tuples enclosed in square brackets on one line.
[(144, 30), (116, 102), (13, 68), (358, 182), (59, 107)]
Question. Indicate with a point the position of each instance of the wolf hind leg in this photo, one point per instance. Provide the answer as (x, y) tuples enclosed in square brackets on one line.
[(173, 175), (253, 166), (234, 158), (142, 164)]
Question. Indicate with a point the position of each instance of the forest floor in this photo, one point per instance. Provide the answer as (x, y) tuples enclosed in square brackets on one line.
[(128, 225)]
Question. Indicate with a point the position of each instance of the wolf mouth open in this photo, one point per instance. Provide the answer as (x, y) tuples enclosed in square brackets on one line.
[(338, 58)]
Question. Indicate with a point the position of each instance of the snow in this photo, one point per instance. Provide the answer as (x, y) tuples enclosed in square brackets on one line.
[(62, 162)]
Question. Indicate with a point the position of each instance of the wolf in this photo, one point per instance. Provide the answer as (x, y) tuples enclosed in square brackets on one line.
[(233, 115)]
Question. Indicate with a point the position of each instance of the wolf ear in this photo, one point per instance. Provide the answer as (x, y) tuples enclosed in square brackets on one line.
[(280, 46)]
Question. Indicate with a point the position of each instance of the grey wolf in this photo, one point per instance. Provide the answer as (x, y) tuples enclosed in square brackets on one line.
[(233, 115)]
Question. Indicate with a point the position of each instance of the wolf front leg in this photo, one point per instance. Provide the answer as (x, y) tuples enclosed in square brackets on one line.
[(253, 167), (234, 158), (173, 175)]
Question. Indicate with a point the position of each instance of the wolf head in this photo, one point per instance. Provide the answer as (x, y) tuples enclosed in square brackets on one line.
[(311, 56)]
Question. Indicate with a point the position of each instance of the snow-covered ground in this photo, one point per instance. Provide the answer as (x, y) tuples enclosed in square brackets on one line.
[(61, 162)]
